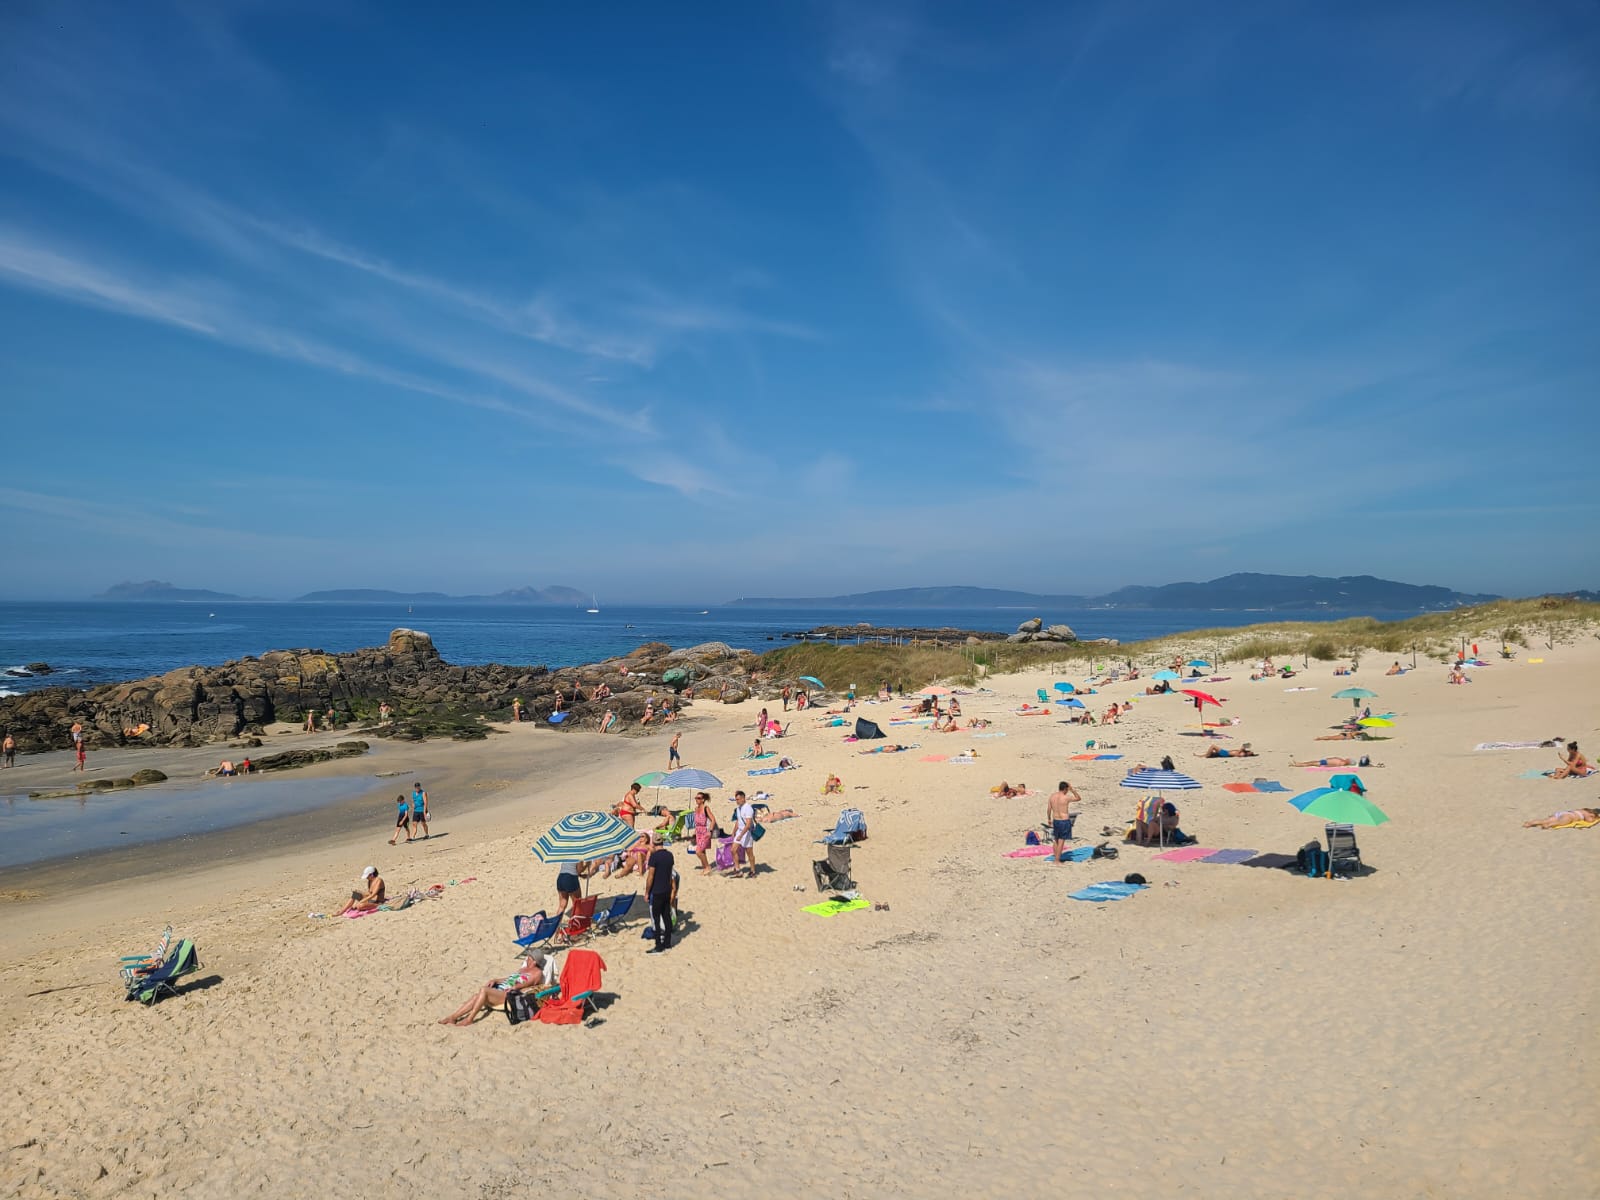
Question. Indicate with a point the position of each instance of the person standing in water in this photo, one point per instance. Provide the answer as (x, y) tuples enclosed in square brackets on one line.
[(419, 809)]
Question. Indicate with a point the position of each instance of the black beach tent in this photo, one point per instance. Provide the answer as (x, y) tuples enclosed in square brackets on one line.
[(866, 729)]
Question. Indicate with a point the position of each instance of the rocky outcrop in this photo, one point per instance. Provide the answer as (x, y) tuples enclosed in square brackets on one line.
[(428, 697), (1035, 630)]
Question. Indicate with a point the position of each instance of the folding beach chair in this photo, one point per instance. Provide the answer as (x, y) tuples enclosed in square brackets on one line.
[(1044, 696), (608, 921), (579, 924), (150, 987), (1344, 858), (535, 930), (143, 964), (833, 873)]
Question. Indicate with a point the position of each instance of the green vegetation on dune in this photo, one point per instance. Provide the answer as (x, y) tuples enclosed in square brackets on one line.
[(1546, 621)]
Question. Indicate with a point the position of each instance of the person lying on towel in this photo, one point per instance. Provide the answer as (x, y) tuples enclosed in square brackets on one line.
[(1573, 818)]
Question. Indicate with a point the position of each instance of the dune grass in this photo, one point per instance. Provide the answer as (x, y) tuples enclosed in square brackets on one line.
[(1533, 624)]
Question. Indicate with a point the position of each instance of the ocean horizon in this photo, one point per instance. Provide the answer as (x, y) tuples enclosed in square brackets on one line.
[(88, 643)]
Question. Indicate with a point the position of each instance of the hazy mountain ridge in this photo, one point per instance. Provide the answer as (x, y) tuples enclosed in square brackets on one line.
[(1243, 591), (155, 591)]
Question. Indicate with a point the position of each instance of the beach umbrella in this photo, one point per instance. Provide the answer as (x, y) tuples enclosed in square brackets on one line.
[(934, 691), (689, 777), (1197, 662), (1166, 676), (1159, 781), (1072, 703), (1376, 722), (814, 681), (1355, 695), (1201, 699), (584, 835), (1065, 687), (650, 778), (1339, 807)]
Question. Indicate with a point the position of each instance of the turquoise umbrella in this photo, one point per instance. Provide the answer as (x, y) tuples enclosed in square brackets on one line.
[(1355, 695), (1340, 807), (813, 680), (1166, 676)]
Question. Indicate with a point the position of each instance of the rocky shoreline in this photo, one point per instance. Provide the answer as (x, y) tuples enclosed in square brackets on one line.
[(426, 695)]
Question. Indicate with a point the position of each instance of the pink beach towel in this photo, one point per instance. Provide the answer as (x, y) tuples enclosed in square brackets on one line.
[(934, 757), (1030, 852), (1187, 854)]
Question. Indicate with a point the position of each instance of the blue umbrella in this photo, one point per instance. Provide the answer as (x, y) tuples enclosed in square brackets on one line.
[(814, 681), (1165, 676), (1197, 662), (689, 777), (1065, 687), (1159, 781), (584, 835), (1072, 703)]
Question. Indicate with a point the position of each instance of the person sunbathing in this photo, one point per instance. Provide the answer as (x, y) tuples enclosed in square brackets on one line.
[(1572, 816), (492, 995), (369, 900), (1329, 762), (1006, 792), (1573, 764), (755, 750), (978, 723), (955, 707), (1397, 669), (1348, 734), (608, 722), (1243, 751)]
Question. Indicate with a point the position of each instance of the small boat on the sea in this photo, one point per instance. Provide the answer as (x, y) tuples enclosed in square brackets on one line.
[(594, 604)]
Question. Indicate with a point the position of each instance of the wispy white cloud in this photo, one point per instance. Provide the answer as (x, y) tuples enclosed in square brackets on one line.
[(138, 525)]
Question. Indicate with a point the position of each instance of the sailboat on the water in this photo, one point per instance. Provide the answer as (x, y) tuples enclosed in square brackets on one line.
[(594, 604)]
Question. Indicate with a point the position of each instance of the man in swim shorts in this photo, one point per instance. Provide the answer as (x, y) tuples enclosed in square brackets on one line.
[(419, 809), (1058, 811)]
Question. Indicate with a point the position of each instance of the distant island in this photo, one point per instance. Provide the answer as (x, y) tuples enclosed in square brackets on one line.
[(1239, 592), (156, 592)]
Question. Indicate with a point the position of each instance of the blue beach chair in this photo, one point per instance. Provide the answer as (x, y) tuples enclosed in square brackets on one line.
[(151, 986), (536, 929), (608, 921)]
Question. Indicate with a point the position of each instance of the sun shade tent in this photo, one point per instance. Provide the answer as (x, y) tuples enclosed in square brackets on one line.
[(865, 729)]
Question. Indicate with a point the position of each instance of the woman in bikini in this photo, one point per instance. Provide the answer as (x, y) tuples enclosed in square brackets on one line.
[(629, 806), (494, 992), (1573, 816), (1572, 764)]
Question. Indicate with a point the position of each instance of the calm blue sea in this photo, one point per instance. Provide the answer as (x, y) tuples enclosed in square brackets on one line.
[(90, 643)]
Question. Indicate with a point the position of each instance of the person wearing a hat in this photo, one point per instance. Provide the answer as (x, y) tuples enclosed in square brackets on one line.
[(530, 974), (368, 900)]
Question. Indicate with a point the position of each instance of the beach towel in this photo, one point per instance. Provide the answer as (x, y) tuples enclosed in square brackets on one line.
[(1576, 824), (1186, 854), (1279, 861), (1107, 757), (759, 757), (1083, 758), (832, 908), (1240, 787), (1533, 774), (1104, 893), (934, 758), (769, 770), (1078, 854), (1030, 852), (580, 974), (1508, 745), (960, 760), (1269, 785), (1230, 858), (988, 735), (1030, 712), (1300, 689)]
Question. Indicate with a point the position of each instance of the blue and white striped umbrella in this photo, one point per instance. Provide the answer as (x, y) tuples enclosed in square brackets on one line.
[(584, 835), (1160, 781), (689, 777)]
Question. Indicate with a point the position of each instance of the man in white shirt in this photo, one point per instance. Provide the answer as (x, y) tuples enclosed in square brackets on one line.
[(744, 834)]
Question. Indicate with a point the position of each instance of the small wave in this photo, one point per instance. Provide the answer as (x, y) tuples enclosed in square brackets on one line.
[(8, 692)]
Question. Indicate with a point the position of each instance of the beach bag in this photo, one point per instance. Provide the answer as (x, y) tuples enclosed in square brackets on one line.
[(1363, 761), (1032, 839), (1135, 878), (757, 831), (519, 1007), (1312, 859)]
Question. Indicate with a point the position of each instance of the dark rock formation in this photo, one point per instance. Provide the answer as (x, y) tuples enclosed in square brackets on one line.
[(428, 696), (290, 759)]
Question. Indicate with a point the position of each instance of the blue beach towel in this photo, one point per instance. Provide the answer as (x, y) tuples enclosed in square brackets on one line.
[(1533, 774), (1107, 757), (1078, 854), (1269, 785), (1104, 893), (768, 771)]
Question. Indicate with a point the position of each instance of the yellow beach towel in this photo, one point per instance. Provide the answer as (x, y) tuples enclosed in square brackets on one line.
[(1577, 824)]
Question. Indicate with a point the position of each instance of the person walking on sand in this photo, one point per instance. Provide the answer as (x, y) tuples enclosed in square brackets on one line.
[(1058, 811), (419, 809), (744, 835), (77, 734), (673, 758), (83, 754), (402, 818), (658, 874), (788, 694), (761, 722), (8, 749), (311, 721)]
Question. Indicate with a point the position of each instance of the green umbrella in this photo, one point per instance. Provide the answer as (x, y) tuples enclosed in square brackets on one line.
[(650, 778), (1355, 695), (1340, 807)]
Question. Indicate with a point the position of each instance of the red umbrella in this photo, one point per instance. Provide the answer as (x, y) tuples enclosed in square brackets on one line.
[(1201, 699)]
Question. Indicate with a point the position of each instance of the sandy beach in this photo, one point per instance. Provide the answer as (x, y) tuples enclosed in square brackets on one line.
[(1425, 1029)]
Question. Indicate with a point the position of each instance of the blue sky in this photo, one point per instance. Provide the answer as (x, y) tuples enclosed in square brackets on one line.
[(679, 302)]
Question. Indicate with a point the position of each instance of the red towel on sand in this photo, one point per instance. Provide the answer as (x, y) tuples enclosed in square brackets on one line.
[(581, 974), (1238, 787)]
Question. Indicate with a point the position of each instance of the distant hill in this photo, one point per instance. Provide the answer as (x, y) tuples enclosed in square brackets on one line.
[(154, 591), (551, 597), (1241, 592)]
